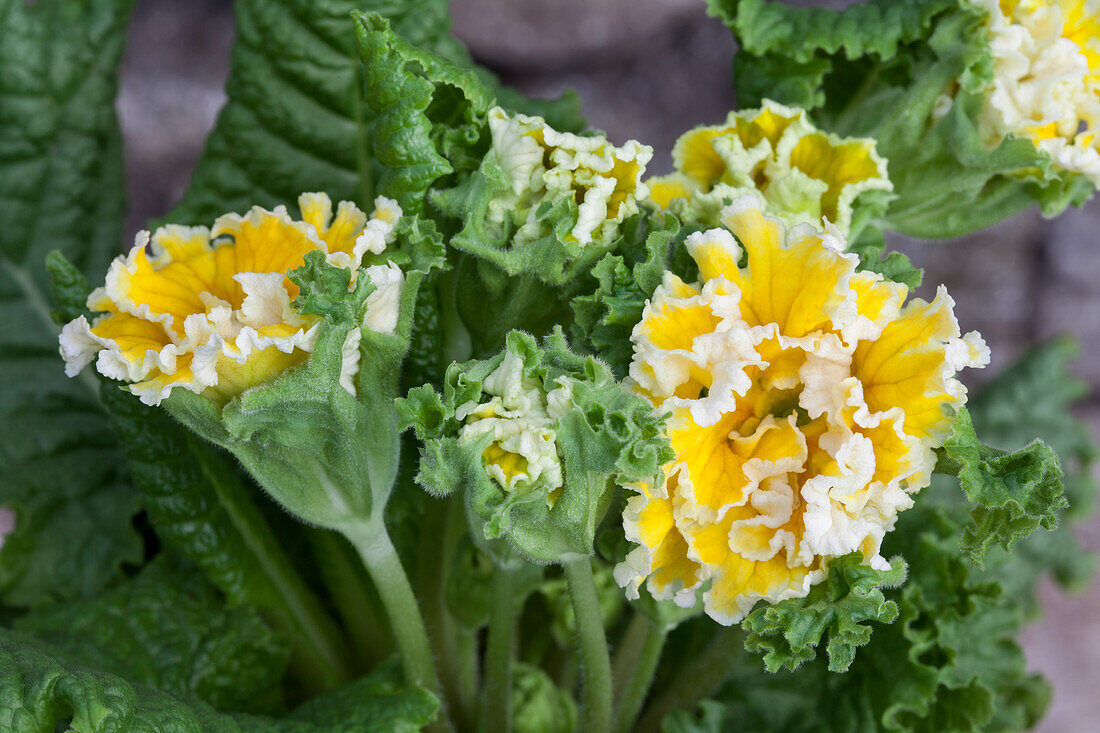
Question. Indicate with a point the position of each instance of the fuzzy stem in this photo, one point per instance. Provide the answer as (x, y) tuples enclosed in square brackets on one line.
[(698, 680), (380, 557), (638, 667), (496, 715), (596, 663), (456, 647)]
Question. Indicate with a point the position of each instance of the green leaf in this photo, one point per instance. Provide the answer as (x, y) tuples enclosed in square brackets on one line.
[(881, 69), (1040, 386), (377, 702), (1014, 493), (324, 290), (605, 318), (42, 690), (428, 112), (168, 629), (201, 509), (296, 119), (896, 266), (948, 664), (60, 188), (788, 632)]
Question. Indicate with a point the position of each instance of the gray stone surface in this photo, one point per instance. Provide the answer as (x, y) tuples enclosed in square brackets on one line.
[(650, 69)]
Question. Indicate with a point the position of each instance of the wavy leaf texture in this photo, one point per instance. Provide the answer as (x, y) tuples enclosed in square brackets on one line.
[(296, 120)]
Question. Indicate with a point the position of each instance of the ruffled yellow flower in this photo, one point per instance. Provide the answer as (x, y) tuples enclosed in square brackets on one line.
[(805, 405), (520, 416), (209, 309), (802, 173), (544, 165), (1046, 78)]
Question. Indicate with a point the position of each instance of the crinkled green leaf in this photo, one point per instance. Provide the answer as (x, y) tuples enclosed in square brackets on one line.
[(41, 690), (879, 69), (378, 702), (60, 188), (427, 111), (896, 266), (324, 290), (606, 435), (788, 632), (296, 119), (1014, 493), (605, 318), (948, 664), (168, 629), (201, 509), (1040, 386)]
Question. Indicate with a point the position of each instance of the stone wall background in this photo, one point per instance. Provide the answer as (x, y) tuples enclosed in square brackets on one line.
[(649, 69)]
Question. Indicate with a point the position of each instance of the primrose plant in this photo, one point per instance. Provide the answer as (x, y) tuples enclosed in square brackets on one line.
[(427, 407)]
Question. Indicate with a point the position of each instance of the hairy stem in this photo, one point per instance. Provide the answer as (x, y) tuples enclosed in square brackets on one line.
[(355, 598), (700, 679), (635, 666), (382, 562), (595, 661), (496, 714), (456, 647)]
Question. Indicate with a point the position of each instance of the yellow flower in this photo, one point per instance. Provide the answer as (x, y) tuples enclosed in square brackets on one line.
[(802, 173), (1046, 79), (805, 405), (209, 309), (544, 165)]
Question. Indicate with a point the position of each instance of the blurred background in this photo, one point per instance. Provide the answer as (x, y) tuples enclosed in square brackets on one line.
[(650, 69)]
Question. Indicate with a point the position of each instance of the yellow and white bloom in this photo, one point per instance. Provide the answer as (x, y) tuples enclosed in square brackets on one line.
[(802, 173), (520, 416), (1046, 78), (544, 165), (209, 309), (806, 401)]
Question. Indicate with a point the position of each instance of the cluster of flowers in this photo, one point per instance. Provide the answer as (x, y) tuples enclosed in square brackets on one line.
[(1046, 78), (803, 397)]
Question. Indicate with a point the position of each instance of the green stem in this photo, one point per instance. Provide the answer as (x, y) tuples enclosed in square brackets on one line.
[(628, 650), (465, 664), (380, 556), (698, 680), (355, 598), (496, 715), (648, 641), (457, 655), (596, 663)]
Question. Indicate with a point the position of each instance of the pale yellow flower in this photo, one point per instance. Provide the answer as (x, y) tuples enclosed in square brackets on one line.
[(802, 173), (806, 402), (520, 415), (209, 309), (544, 165), (1046, 79)]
